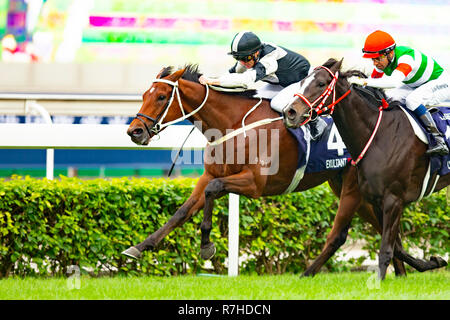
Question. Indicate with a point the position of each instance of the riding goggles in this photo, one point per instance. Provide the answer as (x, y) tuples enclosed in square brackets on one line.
[(243, 58), (384, 51)]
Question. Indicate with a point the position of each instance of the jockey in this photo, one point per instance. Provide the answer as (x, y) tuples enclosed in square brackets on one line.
[(280, 68), (413, 78)]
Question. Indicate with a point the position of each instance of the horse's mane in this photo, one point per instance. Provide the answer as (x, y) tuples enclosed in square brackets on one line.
[(192, 73), (370, 94)]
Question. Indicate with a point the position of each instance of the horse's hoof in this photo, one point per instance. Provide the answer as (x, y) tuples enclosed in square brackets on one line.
[(307, 274), (439, 261), (132, 252), (208, 251)]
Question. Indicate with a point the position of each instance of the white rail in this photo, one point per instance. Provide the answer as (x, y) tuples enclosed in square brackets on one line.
[(92, 136), (69, 96), (89, 136)]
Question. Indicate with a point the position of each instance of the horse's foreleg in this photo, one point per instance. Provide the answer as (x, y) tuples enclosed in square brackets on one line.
[(420, 265), (399, 266), (392, 210), (192, 205), (241, 183), (400, 255), (350, 199), (367, 214), (335, 239), (213, 191)]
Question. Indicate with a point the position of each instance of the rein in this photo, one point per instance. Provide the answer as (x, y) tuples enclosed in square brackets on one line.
[(383, 106), (243, 129)]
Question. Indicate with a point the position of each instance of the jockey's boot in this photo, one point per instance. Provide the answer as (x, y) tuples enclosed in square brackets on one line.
[(316, 127), (440, 148)]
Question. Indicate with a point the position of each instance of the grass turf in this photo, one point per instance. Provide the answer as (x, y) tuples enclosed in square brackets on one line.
[(332, 286)]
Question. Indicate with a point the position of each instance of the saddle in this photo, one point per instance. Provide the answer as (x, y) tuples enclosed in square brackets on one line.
[(228, 89), (238, 90), (439, 165)]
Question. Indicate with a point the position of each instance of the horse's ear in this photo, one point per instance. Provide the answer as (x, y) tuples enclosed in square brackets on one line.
[(176, 75), (160, 73), (337, 66), (333, 64)]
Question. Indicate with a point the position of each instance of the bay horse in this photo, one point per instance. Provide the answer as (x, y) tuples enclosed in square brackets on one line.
[(179, 95), (390, 172)]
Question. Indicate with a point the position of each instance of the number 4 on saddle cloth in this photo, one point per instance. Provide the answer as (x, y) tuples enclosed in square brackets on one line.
[(326, 153)]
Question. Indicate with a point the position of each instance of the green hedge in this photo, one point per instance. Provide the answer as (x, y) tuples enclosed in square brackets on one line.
[(69, 221)]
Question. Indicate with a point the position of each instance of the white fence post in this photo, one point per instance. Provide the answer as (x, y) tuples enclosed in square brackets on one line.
[(233, 235), (30, 106), (50, 164)]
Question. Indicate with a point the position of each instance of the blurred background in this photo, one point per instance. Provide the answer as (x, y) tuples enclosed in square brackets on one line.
[(116, 47)]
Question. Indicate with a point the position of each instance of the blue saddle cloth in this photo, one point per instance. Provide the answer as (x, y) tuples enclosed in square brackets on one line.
[(441, 116), (326, 153)]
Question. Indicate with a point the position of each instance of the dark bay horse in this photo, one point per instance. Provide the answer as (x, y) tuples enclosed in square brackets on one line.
[(391, 173), (174, 94)]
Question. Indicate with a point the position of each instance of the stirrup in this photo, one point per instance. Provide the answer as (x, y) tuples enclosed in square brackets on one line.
[(439, 149)]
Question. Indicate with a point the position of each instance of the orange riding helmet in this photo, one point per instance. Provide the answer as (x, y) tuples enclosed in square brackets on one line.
[(378, 43)]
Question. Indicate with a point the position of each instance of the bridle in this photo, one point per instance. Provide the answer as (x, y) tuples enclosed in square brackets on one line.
[(156, 123), (321, 109), (331, 89)]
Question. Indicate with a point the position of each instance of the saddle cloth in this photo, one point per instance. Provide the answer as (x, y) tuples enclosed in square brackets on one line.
[(441, 116), (326, 153)]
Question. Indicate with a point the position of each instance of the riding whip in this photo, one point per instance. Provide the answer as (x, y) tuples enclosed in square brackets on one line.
[(179, 151)]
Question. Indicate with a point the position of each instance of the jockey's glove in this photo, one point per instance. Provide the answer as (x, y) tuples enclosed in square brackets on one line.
[(357, 80)]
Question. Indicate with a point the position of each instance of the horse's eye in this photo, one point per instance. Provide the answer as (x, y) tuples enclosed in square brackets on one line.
[(321, 84), (161, 97)]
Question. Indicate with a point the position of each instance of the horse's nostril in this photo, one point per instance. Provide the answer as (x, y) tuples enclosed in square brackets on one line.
[(135, 132), (292, 113)]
